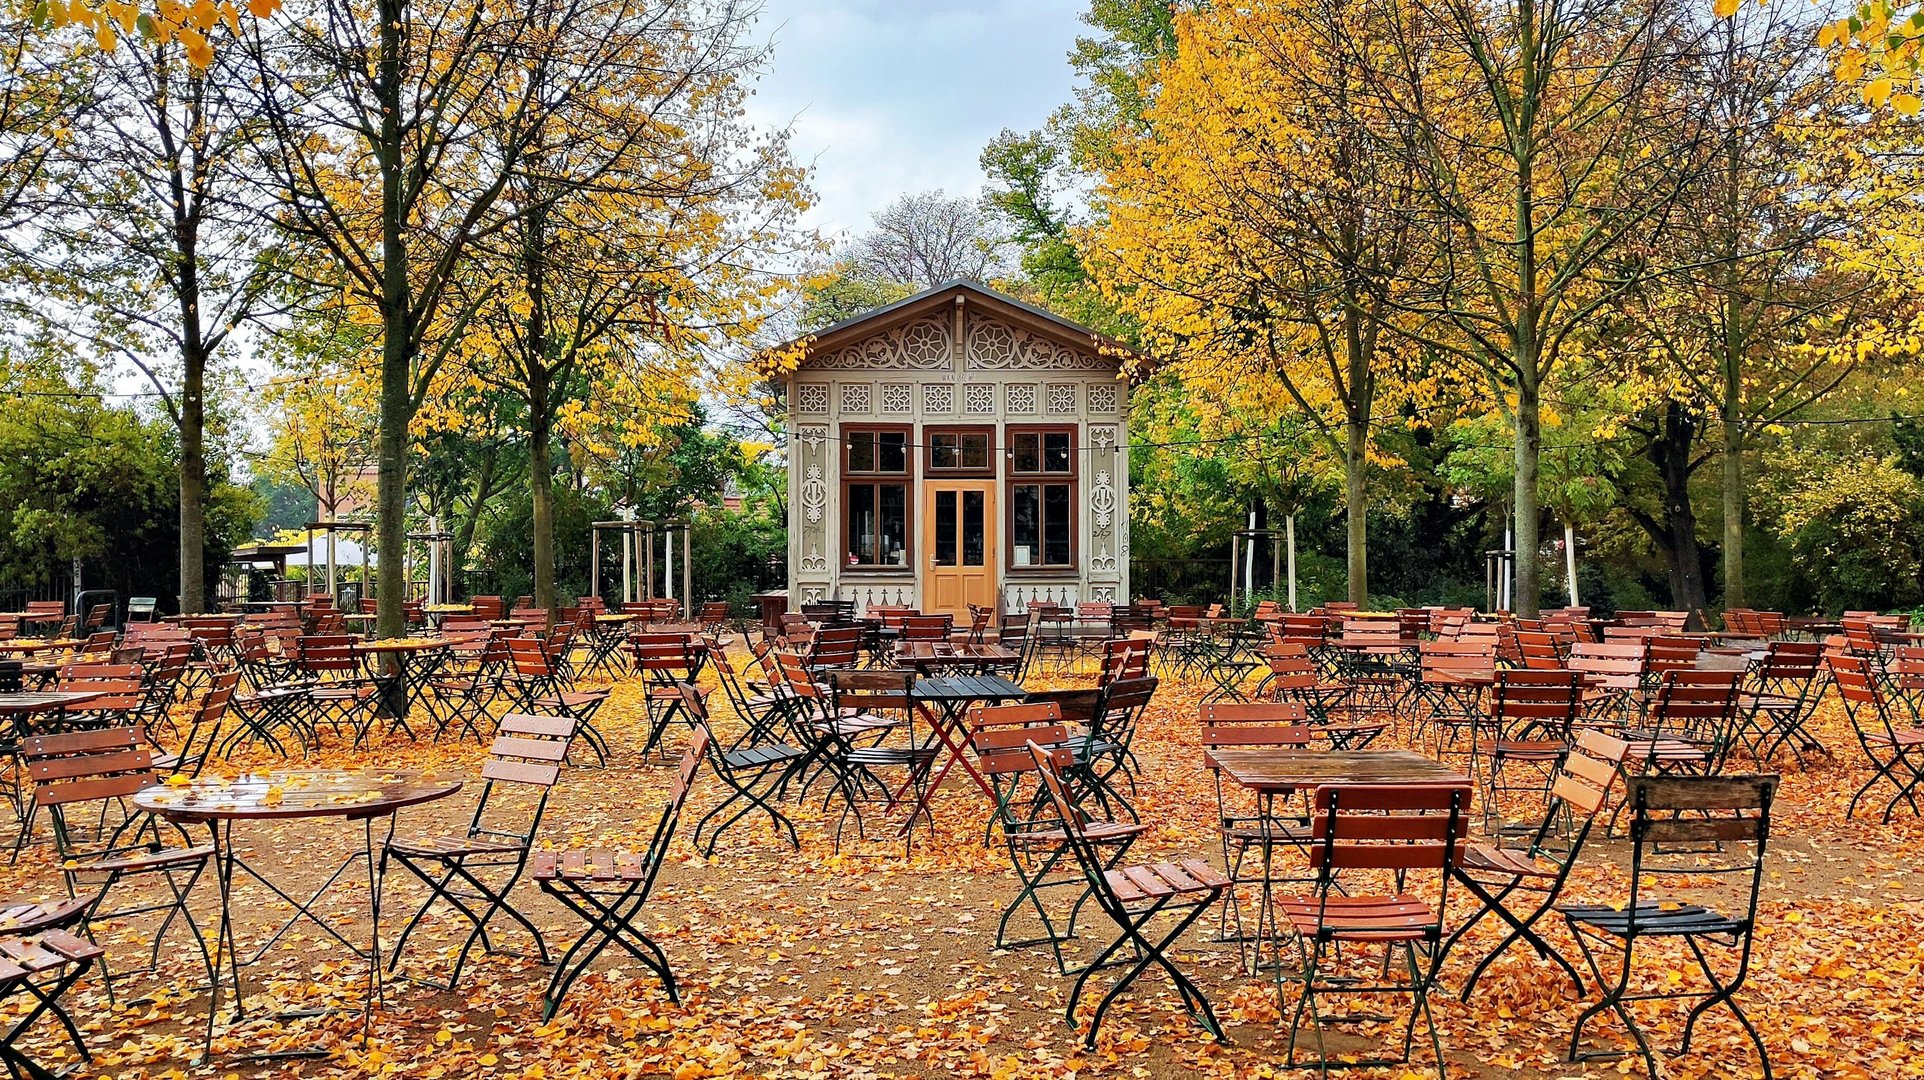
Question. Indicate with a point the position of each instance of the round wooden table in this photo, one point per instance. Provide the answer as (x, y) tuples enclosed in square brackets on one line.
[(363, 795)]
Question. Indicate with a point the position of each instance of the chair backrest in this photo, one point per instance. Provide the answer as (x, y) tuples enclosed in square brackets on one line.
[(1668, 652), (1541, 648), (669, 654), (1687, 828), (835, 646), (1695, 703), (1399, 827), (1616, 664), (691, 759), (1544, 701), (1255, 723), (205, 726), (1003, 751), (487, 607), (714, 613), (321, 654), (871, 691), (119, 686), (1440, 661), (1014, 631), (86, 766), (927, 627), (1372, 632), (1792, 661), (530, 658), (1125, 658), (1018, 715)]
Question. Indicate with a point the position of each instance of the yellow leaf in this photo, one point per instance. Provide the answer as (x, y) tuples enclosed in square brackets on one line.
[(486, 1059), (1877, 91), (1906, 104), (1726, 8)]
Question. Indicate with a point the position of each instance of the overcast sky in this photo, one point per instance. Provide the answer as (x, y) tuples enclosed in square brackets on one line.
[(895, 96)]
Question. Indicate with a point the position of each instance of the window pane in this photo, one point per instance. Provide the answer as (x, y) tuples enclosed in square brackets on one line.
[(1055, 452), (975, 451), (1023, 524), (891, 452), (894, 501), (861, 524), (945, 528), (974, 529), (942, 451), (1028, 452), (861, 451), (1055, 524)]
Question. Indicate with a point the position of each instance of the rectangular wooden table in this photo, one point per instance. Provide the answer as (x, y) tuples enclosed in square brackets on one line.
[(1275, 769)]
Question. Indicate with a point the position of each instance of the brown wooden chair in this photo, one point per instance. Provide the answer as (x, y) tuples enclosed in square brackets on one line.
[(109, 843), (1404, 833), (1134, 898), (1532, 721), (607, 888), (475, 872), (42, 967), (540, 685), (1892, 742)]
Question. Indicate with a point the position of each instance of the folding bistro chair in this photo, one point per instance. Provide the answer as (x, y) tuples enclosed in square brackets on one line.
[(1895, 750), (1781, 689), (754, 770), (608, 889), (1133, 897), (98, 770), (41, 967), (202, 730), (1532, 718), (1102, 752), (1541, 865), (336, 686), (666, 663), (479, 869), (1025, 820), (1254, 828), (1690, 718), (541, 686), (1722, 824), (1399, 830)]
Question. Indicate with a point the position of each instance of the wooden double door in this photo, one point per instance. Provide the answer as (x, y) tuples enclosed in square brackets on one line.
[(960, 543)]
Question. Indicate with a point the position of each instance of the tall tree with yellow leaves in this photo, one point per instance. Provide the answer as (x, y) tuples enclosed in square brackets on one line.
[(399, 132), (611, 278), (1537, 135), (1250, 226)]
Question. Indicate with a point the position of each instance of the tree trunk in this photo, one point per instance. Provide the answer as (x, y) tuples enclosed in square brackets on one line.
[(1733, 485), (193, 489), (397, 327), (1356, 495), (541, 487), (1529, 443), (1675, 533)]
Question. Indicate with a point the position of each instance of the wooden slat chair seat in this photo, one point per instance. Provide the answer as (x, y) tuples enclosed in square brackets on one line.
[(1540, 865), (755, 771), (478, 869), (1028, 825), (1133, 898), (93, 773), (1695, 833), (44, 967), (1402, 833), (608, 888)]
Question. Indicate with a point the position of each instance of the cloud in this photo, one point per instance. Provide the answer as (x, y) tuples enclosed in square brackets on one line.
[(895, 96)]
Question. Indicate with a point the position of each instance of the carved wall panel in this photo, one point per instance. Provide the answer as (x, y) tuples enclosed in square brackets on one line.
[(923, 345), (993, 345)]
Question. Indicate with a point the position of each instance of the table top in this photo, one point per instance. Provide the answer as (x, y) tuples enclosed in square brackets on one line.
[(942, 652), (34, 645), (296, 793), (1275, 768), (616, 617), (32, 701), (966, 688), (401, 645), (447, 609)]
